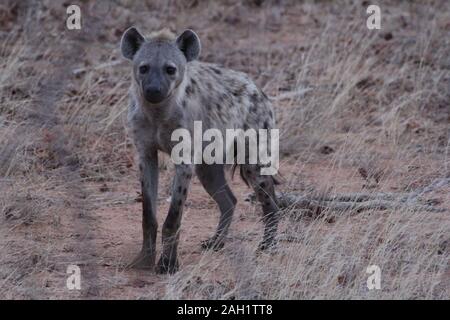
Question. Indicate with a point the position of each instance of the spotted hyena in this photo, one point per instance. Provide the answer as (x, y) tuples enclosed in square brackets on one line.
[(170, 90)]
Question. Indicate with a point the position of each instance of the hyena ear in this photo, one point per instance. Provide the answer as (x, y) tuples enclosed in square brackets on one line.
[(131, 42), (189, 43)]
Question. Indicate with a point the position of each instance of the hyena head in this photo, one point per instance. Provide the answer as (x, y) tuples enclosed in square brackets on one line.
[(159, 62)]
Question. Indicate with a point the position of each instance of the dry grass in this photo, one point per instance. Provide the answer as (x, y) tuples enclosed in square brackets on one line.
[(349, 100)]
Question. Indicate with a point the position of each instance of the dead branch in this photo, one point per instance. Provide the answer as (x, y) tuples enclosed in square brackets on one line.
[(353, 203), (435, 184), (358, 202)]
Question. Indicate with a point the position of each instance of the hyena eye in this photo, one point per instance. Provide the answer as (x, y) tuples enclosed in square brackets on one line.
[(143, 69), (171, 70)]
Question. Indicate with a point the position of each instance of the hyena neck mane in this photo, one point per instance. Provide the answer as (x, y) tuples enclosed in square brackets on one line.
[(162, 35)]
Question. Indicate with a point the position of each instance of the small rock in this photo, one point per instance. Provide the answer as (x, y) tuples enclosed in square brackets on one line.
[(388, 36), (326, 149)]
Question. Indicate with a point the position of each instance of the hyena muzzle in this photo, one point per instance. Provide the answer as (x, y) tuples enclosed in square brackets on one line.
[(170, 90)]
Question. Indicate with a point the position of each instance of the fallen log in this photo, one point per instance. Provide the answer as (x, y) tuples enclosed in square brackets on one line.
[(359, 201), (354, 203)]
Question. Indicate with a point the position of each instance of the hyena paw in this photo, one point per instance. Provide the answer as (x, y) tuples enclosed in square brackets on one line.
[(167, 265), (213, 244)]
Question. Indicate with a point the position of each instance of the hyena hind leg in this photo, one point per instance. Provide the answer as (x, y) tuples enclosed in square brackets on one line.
[(263, 185)]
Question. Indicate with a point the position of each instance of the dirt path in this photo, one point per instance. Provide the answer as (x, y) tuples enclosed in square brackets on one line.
[(117, 236), (46, 115)]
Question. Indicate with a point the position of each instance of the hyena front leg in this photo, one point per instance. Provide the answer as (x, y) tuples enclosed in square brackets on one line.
[(213, 180), (168, 263), (149, 186), (263, 185)]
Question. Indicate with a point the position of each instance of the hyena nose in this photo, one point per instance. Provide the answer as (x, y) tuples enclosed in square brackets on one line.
[(154, 94), (153, 90)]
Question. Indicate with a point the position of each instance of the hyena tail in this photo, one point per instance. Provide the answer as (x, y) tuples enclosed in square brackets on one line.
[(276, 179)]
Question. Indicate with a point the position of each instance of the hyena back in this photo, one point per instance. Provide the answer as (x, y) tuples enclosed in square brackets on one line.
[(170, 90)]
